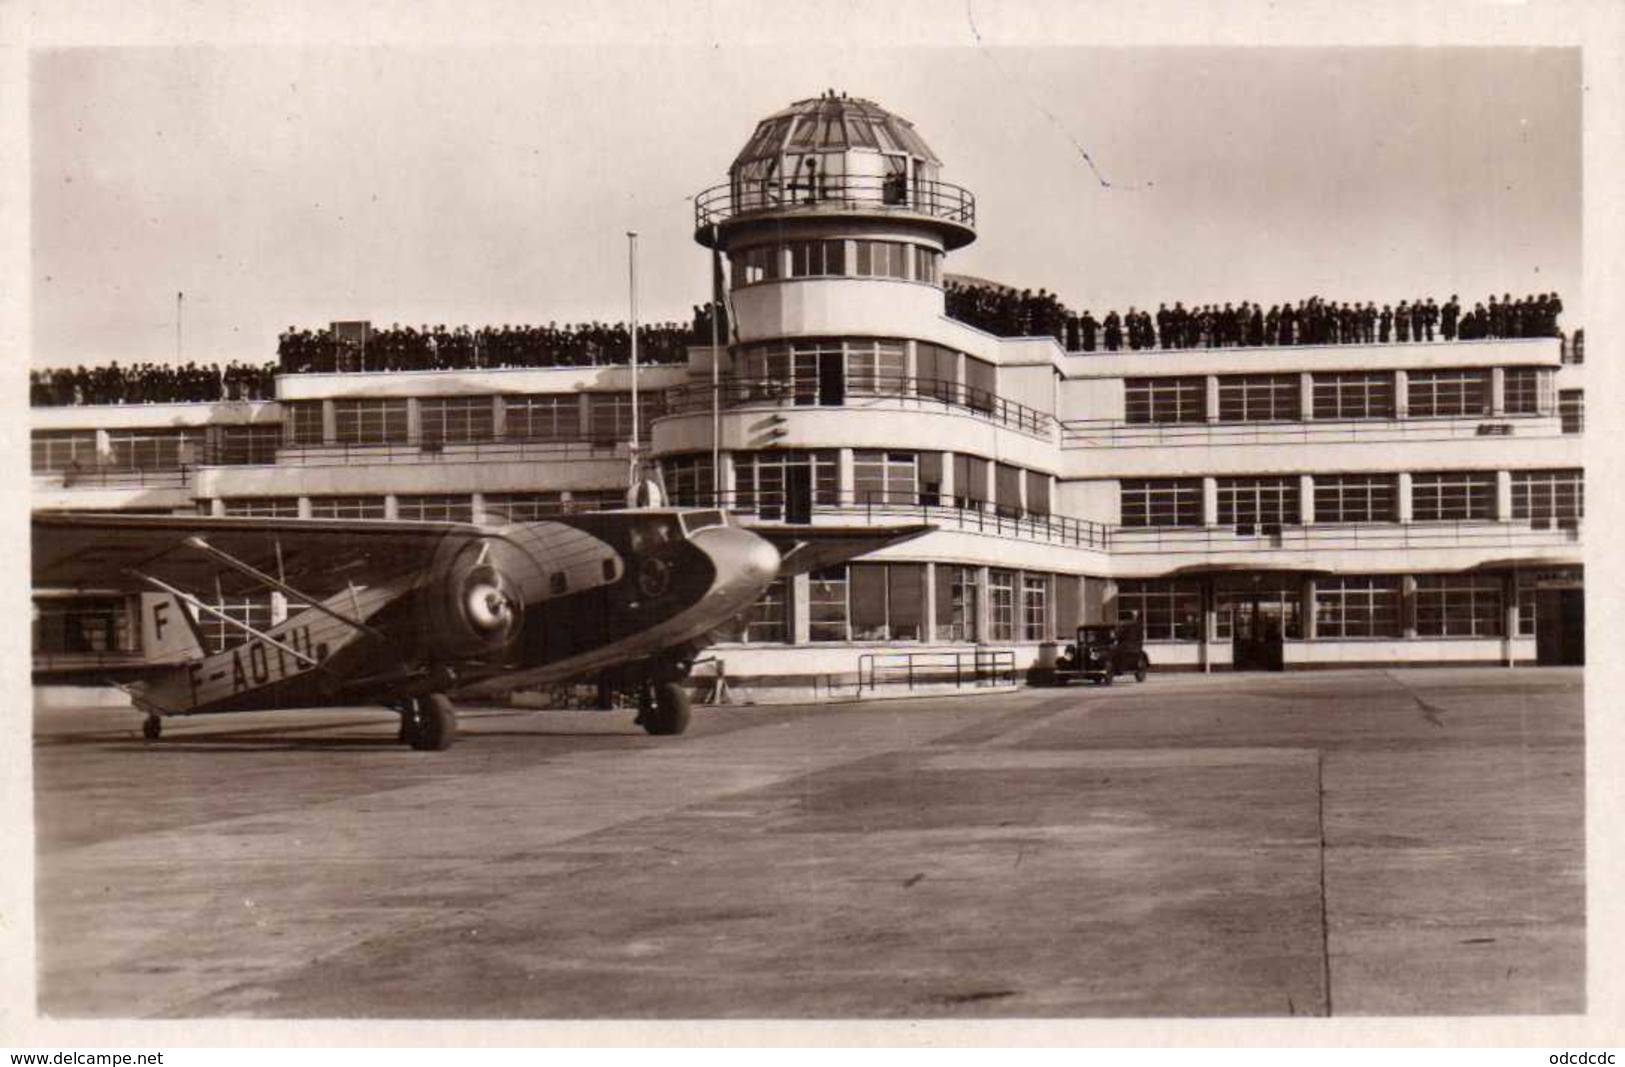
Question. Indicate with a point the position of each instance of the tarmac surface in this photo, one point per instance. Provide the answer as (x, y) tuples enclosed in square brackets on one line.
[(1347, 843)]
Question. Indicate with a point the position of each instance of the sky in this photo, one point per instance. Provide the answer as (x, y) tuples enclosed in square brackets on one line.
[(295, 185)]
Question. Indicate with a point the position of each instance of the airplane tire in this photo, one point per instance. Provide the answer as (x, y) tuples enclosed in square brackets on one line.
[(1140, 669), (434, 726), (153, 728), (668, 712)]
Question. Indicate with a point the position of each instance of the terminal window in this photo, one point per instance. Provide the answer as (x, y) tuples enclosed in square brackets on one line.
[(1259, 398), (262, 507), (522, 507), (1452, 496), (1548, 495), (302, 419), (765, 621), (1357, 606), (1152, 400), (1035, 600), (347, 507), (1571, 410), (63, 450), (1001, 605), (369, 422), (1447, 393), (542, 418), (458, 419), (887, 601), (1458, 605), (1346, 498), (826, 605), (435, 507), (1168, 610), (1525, 391), (882, 259), (1354, 395), (82, 625), (152, 449), (1161, 501), (958, 602), (249, 445), (689, 480), (1252, 501)]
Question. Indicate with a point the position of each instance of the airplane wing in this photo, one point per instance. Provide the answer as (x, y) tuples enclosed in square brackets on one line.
[(82, 550), (812, 548)]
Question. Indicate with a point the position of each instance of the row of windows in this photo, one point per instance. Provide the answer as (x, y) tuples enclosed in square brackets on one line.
[(886, 602), (455, 420), (445, 507), (826, 371), (1436, 496), (791, 482), (1345, 606), (126, 450), (1342, 395), (836, 258)]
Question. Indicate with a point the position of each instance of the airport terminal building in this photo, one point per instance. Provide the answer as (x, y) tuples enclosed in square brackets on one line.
[(1273, 506)]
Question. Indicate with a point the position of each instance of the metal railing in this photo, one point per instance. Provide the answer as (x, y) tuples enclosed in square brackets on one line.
[(910, 392), (824, 192), (874, 506), (120, 477), (1254, 537), (351, 453), (1103, 433), (977, 667)]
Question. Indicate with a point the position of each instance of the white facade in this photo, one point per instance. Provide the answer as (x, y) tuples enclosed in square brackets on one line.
[(1294, 506)]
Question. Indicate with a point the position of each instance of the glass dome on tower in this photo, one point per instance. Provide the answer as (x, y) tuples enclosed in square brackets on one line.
[(835, 154)]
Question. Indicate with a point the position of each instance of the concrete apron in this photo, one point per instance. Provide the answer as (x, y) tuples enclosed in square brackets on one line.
[(789, 869)]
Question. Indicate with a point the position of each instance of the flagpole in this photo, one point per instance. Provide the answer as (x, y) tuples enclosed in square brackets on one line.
[(716, 373), (632, 277), (178, 298)]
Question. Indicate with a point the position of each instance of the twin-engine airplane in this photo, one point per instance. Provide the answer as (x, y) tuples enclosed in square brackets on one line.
[(403, 613)]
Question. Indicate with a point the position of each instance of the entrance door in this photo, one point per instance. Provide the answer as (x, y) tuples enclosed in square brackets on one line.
[(798, 494), (1560, 627), (1258, 640), (832, 379)]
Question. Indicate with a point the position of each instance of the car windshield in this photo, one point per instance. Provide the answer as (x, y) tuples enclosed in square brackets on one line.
[(1097, 635)]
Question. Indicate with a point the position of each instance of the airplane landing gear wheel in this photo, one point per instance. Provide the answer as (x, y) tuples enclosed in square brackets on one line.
[(153, 728), (663, 709), (429, 723), (1139, 669)]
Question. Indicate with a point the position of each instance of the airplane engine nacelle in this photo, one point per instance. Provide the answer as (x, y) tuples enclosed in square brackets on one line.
[(473, 605)]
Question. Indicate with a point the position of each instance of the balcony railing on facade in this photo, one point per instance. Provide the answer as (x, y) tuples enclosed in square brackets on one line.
[(906, 391), (833, 193), (1109, 433), (1331, 537), (473, 450), (872, 506), (119, 477)]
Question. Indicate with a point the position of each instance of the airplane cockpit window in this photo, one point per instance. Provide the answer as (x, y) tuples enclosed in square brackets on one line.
[(653, 535), (699, 520)]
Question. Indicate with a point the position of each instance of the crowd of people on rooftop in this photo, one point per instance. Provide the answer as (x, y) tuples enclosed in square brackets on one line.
[(996, 309), (397, 348), (1312, 321), (150, 383)]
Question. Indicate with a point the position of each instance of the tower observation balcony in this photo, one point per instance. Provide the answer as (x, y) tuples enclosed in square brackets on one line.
[(947, 207), (835, 156)]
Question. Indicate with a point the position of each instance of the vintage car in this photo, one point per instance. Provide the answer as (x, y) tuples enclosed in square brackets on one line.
[(1102, 651)]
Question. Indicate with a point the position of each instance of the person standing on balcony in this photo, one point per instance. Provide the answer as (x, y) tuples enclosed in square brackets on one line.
[(1449, 315)]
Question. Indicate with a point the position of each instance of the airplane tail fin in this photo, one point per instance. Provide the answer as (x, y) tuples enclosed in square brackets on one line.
[(169, 631)]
